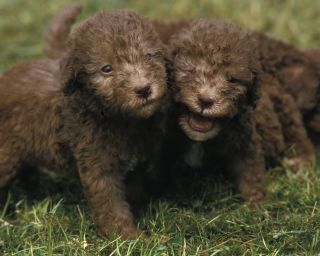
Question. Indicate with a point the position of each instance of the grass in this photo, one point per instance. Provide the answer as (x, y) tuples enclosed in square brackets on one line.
[(49, 217), (211, 222)]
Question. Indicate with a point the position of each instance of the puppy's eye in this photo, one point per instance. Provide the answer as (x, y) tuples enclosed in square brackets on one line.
[(227, 92), (233, 80), (151, 55), (106, 69)]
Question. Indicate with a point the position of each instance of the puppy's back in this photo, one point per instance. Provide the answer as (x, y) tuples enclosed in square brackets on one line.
[(34, 78), (28, 87)]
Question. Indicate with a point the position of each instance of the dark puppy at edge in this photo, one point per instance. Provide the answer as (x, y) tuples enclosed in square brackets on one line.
[(97, 119), (299, 76)]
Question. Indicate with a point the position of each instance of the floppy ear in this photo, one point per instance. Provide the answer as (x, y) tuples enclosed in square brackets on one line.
[(172, 53), (72, 76), (254, 91)]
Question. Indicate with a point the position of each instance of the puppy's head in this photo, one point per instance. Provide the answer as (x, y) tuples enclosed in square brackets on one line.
[(214, 66), (117, 57)]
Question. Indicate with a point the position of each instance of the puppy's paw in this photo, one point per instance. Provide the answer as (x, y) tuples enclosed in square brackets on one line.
[(258, 200), (123, 226), (300, 163), (133, 233), (254, 195)]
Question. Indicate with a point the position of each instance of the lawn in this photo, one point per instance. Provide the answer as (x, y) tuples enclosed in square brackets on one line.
[(48, 216)]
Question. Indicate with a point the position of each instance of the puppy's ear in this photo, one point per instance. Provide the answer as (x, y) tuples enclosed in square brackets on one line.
[(254, 91), (71, 75), (172, 52)]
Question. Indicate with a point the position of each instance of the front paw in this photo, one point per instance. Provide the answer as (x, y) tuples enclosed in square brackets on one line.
[(254, 195), (119, 225), (299, 163), (132, 233), (259, 198)]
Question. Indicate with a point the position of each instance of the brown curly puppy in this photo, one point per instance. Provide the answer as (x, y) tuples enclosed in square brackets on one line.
[(97, 119), (214, 79), (293, 88)]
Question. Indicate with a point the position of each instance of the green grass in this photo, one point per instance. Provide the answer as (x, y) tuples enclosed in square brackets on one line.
[(211, 222), (56, 220)]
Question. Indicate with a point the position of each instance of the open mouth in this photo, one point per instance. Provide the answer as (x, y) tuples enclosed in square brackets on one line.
[(201, 123)]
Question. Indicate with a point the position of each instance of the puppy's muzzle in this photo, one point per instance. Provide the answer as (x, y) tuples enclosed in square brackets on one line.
[(143, 92)]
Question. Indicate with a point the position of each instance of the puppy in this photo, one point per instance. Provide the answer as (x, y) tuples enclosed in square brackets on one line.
[(214, 74), (291, 82), (94, 111), (141, 183)]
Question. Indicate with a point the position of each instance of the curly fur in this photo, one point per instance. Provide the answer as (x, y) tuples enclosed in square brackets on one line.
[(281, 127), (296, 97), (69, 114)]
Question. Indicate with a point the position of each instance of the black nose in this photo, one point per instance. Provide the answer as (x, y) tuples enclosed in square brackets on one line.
[(143, 92), (205, 102)]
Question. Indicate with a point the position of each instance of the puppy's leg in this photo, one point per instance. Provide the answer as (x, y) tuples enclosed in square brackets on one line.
[(248, 169), (303, 153), (104, 191)]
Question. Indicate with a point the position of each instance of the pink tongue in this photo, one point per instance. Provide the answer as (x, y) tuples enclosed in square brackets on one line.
[(200, 123)]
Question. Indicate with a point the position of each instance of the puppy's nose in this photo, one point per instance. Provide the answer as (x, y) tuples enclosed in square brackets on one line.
[(205, 102), (143, 91)]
